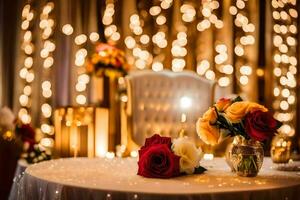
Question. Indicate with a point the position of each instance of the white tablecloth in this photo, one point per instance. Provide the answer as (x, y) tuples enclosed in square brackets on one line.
[(112, 179), (21, 167)]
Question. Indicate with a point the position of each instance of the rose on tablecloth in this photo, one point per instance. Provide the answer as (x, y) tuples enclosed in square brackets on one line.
[(190, 155), (159, 158), (158, 161)]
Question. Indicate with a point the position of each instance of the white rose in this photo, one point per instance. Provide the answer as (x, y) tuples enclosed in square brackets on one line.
[(190, 155), (6, 119)]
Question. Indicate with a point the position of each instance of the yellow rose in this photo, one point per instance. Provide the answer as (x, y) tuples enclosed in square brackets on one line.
[(207, 133), (210, 115), (223, 104), (236, 111)]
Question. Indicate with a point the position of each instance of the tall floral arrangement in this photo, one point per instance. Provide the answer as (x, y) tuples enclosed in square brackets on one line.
[(232, 117), (107, 59)]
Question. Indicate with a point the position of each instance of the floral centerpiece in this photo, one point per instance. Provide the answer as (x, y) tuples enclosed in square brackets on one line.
[(105, 65), (7, 125), (162, 158), (32, 151), (250, 123), (107, 59)]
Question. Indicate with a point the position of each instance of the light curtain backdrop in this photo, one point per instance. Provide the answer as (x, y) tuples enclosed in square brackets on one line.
[(87, 16)]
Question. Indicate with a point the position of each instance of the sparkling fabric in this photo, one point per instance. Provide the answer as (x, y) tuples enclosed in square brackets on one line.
[(103, 178)]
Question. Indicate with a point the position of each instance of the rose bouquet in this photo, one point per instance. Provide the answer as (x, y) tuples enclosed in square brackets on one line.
[(250, 122), (160, 158), (32, 151), (107, 59)]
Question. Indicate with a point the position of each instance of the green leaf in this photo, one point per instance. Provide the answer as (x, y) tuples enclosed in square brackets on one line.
[(199, 170), (237, 99)]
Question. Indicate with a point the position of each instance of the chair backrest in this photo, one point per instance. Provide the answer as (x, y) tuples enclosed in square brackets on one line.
[(157, 101)]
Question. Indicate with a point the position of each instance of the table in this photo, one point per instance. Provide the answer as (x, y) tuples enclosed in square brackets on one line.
[(110, 179), (20, 169)]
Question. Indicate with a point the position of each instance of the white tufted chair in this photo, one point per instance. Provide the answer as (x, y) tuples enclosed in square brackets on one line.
[(154, 106)]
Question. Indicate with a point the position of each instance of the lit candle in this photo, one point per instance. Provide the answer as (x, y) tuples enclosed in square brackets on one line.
[(183, 120), (102, 127), (74, 139), (185, 104)]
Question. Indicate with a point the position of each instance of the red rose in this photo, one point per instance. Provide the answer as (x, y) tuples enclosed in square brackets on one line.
[(261, 125), (27, 134), (157, 139), (156, 159)]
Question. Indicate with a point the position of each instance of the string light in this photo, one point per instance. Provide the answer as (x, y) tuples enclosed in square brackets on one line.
[(82, 78), (179, 51), (67, 29), (209, 17), (110, 31), (48, 47), (224, 70), (219, 70), (244, 39), (139, 43), (81, 54), (26, 72), (285, 16)]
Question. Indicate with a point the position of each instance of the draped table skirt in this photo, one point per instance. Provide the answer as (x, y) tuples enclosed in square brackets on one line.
[(114, 179)]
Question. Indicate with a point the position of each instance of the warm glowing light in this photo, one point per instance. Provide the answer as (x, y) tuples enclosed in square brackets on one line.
[(48, 62), (81, 99), (47, 142), (67, 29), (94, 37), (46, 110), (157, 66), (224, 81), (244, 80), (80, 39), (210, 75), (246, 70), (227, 69), (155, 10), (27, 90), (185, 102)]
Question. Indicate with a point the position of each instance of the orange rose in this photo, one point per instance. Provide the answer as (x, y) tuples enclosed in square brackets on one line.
[(89, 67), (223, 104), (207, 133), (236, 111), (210, 115)]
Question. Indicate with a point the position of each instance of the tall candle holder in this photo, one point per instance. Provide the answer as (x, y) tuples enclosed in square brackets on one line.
[(81, 131)]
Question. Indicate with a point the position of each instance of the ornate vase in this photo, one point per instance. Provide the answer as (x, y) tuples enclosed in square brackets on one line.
[(228, 156), (245, 156)]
